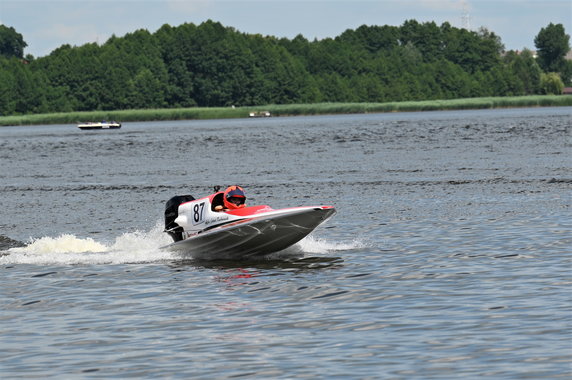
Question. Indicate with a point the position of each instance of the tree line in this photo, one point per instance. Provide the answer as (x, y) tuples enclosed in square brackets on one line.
[(212, 65)]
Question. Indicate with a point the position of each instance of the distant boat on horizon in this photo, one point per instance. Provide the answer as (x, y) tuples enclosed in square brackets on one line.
[(259, 114), (100, 125)]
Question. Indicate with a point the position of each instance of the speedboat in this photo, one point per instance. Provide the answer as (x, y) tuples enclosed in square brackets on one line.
[(100, 125), (199, 231)]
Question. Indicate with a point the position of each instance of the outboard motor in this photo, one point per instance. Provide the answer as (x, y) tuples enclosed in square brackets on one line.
[(172, 212)]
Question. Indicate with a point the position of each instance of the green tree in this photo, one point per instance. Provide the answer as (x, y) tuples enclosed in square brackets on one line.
[(12, 43), (146, 91), (213, 65), (552, 44), (7, 88), (426, 37), (525, 69), (489, 49), (474, 51), (372, 38), (566, 72), (551, 84)]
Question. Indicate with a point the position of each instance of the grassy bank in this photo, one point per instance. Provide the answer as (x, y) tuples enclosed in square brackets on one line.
[(288, 110)]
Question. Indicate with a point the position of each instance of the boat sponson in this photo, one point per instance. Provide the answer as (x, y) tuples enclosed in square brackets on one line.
[(252, 237)]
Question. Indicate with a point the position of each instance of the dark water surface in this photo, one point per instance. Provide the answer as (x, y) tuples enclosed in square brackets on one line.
[(449, 256)]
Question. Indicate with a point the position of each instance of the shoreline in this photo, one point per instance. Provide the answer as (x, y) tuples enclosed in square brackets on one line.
[(204, 113)]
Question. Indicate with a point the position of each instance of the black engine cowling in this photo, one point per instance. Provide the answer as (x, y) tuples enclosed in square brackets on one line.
[(172, 212)]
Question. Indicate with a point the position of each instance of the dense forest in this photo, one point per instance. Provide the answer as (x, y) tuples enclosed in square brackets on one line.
[(212, 65)]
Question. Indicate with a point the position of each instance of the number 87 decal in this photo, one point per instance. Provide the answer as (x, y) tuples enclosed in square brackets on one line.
[(198, 213)]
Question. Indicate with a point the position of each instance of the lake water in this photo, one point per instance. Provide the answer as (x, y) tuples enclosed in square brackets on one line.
[(449, 256)]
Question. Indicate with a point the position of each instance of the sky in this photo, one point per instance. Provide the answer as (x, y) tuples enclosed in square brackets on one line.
[(47, 24)]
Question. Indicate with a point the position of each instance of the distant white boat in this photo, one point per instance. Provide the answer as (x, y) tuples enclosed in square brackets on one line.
[(100, 125), (259, 114)]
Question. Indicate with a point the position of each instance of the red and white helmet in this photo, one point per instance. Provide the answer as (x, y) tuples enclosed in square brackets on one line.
[(234, 198)]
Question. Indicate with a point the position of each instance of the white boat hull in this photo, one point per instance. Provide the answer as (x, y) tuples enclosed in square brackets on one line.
[(102, 125), (254, 236)]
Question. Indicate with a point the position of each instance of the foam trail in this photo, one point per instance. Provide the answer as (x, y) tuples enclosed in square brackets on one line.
[(63, 243), (66, 249), (132, 247), (310, 244)]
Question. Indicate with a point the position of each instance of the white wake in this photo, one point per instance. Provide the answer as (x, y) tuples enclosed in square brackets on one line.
[(131, 247)]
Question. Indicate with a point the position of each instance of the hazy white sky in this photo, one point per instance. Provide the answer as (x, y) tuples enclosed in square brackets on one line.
[(48, 24)]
